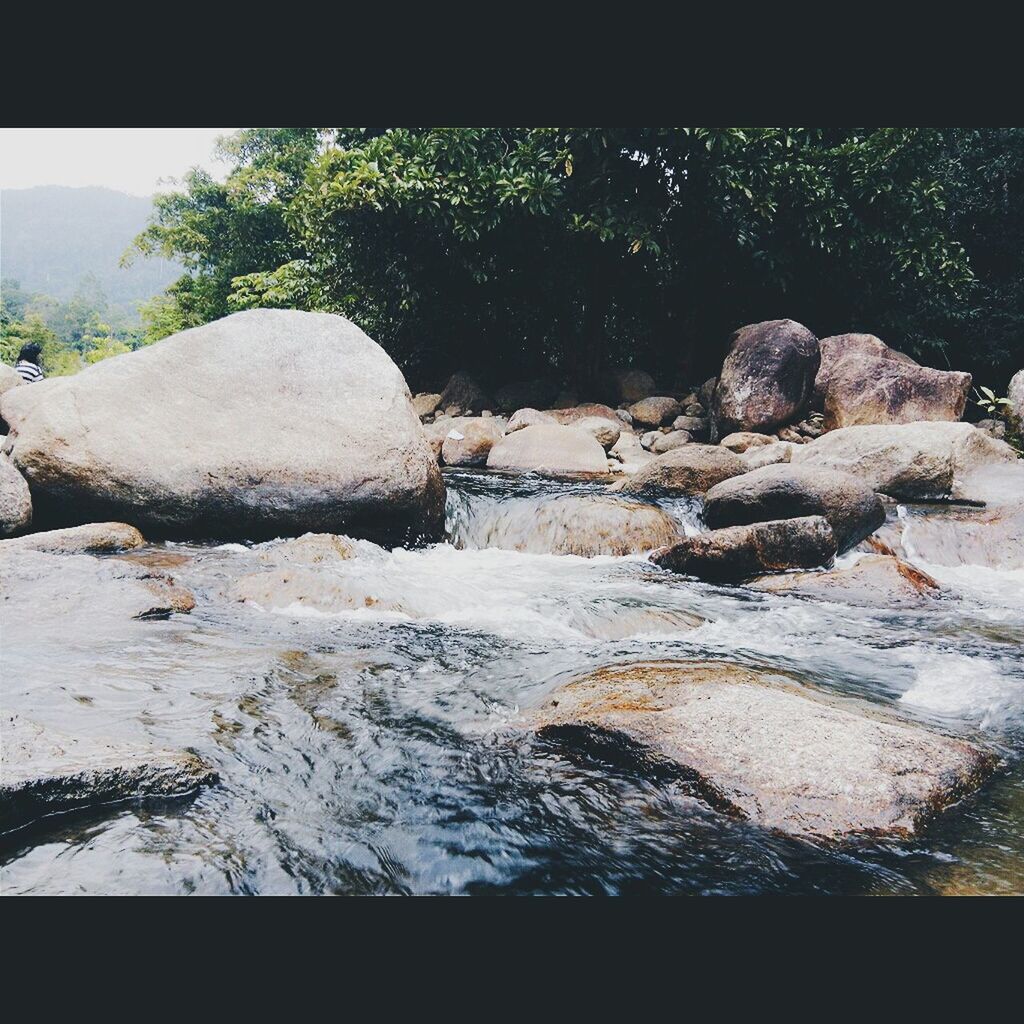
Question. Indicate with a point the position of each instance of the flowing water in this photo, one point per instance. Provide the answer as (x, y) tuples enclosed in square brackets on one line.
[(376, 743)]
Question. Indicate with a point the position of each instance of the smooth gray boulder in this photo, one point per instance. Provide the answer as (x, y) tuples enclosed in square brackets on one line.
[(264, 423), (766, 379), (550, 450), (688, 470), (773, 752), (785, 491), (45, 772), (15, 499), (738, 553), (912, 461)]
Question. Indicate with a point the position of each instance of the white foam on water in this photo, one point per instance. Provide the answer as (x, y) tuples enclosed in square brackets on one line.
[(958, 686)]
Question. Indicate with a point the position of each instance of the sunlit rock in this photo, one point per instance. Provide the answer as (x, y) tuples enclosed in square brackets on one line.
[(761, 747)]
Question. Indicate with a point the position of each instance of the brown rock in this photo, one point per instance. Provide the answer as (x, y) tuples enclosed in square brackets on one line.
[(784, 491), (653, 412), (744, 440), (739, 552), (767, 377), (874, 581), (838, 347), (761, 747), (91, 539), (469, 442)]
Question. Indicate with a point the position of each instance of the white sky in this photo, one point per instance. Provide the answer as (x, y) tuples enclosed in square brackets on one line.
[(127, 159)]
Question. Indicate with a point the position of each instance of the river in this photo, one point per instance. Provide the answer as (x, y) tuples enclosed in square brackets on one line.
[(378, 744)]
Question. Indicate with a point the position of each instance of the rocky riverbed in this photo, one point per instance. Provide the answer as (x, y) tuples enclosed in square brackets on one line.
[(740, 664)]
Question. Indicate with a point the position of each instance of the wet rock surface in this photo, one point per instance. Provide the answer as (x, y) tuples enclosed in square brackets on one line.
[(689, 469), (780, 755), (736, 553), (852, 509), (874, 581), (44, 772), (575, 525), (90, 539)]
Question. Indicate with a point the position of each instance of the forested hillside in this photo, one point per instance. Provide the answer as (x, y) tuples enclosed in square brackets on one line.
[(53, 238)]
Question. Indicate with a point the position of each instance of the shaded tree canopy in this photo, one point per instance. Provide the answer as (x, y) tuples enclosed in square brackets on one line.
[(514, 252)]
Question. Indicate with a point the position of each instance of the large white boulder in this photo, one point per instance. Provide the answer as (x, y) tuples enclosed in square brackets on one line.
[(266, 422)]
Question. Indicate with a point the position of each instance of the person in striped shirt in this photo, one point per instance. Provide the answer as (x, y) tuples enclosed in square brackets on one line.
[(28, 367)]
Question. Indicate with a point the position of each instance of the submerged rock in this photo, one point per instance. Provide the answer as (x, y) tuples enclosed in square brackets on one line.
[(15, 499), (690, 469), (310, 549), (60, 587), (572, 524), (784, 491), (739, 552), (767, 377), (91, 539), (912, 461), (760, 747), (46, 772), (874, 581), (296, 421), (990, 537), (551, 450)]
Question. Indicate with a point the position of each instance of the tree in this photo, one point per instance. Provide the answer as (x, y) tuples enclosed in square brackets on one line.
[(509, 251)]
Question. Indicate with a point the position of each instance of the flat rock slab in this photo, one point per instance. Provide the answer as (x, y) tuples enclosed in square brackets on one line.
[(44, 772), (874, 581), (768, 750), (688, 470)]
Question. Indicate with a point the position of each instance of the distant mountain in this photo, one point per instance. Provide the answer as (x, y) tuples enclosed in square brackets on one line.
[(52, 237)]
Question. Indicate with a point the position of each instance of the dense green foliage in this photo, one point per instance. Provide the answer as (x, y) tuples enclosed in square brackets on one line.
[(72, 334), (512, 251)]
